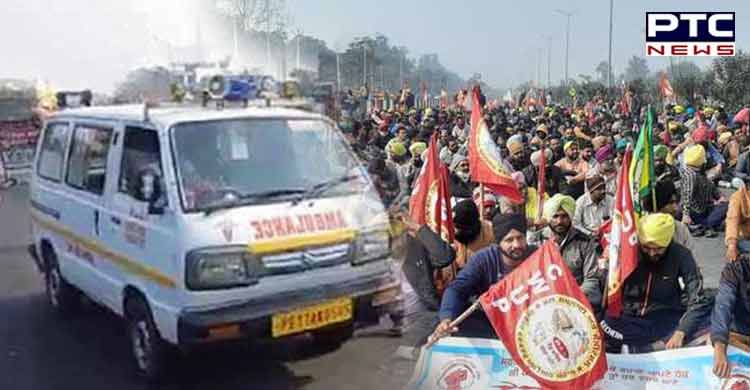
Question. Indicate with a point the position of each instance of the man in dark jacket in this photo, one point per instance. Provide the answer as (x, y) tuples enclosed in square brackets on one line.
[(730, 321), (484, 269), (578, 250), (554, 181), (653, 308)]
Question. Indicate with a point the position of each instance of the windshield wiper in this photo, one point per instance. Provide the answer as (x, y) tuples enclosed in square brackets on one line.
[(322, 187), (245, 199)]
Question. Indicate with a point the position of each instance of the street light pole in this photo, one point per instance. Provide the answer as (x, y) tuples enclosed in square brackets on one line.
[(567, 14), (609, 62), (364, 65)]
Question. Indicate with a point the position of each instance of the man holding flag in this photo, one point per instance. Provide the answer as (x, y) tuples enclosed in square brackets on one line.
[(644, 306)]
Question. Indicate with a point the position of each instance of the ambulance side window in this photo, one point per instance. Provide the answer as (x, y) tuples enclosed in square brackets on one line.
[(52, 153), (140, 153), (87, 163)]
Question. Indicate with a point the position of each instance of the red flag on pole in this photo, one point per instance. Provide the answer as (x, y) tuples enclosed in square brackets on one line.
[(623, 239), (665, 87), (546, 323), (430, 201), (485, 164)]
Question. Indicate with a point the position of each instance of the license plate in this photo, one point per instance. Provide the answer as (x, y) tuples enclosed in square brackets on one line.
[(312, 317)]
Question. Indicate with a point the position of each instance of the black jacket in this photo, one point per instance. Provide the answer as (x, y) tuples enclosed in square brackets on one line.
[(654, 287), (554, 181), (426, 253), (732, 308), (459, 188)]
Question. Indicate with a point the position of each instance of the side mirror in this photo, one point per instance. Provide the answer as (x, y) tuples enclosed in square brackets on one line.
[(149, 190)]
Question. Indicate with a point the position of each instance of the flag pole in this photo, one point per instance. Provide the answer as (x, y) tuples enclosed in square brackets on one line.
[(481, 201), (474, 306)]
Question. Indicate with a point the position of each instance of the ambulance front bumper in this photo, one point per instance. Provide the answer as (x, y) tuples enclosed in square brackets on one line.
[(372, 295)]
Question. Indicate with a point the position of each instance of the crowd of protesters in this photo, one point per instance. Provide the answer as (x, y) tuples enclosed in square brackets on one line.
[(696, 150)]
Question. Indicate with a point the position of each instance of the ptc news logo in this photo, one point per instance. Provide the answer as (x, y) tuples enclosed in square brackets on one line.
[(690, 34)]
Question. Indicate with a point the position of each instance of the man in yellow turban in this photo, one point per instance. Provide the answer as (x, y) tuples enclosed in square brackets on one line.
[(577, 249), (698, 194), (655, 316)]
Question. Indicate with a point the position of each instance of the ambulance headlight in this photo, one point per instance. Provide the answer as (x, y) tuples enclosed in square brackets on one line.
[(219, 268), (372, 244)]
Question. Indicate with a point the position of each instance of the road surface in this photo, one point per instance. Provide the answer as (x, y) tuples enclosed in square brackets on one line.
[(38, 351)]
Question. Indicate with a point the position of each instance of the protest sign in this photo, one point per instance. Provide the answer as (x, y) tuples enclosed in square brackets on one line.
[(479, 364)]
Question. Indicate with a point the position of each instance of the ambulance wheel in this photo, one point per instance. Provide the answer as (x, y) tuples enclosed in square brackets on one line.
[(147, 347), (61, 295)]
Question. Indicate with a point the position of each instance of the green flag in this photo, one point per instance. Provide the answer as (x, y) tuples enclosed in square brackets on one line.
[(642, 169)]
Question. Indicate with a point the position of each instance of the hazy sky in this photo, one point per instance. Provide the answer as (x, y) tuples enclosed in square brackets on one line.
[(92, 43)]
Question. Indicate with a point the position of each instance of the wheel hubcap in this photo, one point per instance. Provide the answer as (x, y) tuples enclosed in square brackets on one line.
[(53, 286), (140, 338)]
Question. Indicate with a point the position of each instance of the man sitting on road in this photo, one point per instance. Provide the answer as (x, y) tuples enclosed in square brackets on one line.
[(578, 249), (653, 308), (484, 269), (594, 207), (737, 233), (730, 320)]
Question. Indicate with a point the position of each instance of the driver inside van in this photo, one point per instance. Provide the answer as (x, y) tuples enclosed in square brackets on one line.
[(200, 170)]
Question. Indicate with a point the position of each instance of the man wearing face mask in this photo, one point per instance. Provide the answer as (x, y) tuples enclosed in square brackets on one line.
[(484, 269), (655, 316)]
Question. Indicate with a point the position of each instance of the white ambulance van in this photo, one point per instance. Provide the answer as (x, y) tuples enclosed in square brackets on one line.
[(199, 225)]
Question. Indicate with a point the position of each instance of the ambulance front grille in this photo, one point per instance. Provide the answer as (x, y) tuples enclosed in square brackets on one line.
[(310, 258)]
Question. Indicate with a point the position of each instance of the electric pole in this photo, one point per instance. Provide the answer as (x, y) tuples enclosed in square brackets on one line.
[(609, 62), (568, 15)]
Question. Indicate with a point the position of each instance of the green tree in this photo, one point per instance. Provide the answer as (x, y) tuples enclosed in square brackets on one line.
[(637, 69), (686, 78), (729, 80)]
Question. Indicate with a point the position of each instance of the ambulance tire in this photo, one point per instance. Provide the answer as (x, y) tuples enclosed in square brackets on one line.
[(61, 295), (148, 349)]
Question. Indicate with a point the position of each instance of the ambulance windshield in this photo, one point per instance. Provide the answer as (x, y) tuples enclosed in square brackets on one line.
[(242, 158)]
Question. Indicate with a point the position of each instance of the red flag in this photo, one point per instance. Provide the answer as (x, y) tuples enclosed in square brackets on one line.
[(623, 239), (486, 165), (665, 88), (430, 201), (546, 323)]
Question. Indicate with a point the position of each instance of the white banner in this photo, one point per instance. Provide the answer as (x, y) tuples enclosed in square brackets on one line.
[(479, 364)]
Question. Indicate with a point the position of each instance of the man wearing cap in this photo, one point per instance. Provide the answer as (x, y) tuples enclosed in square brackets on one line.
[(577, 248), (594, 207), (484, 269), (655, 316), (516, 154), (461, 185), (574, 169), (698, 192)]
